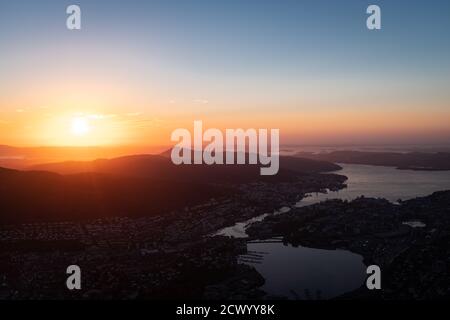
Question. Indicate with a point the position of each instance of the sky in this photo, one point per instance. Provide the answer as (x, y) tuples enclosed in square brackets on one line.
[(137, 70)]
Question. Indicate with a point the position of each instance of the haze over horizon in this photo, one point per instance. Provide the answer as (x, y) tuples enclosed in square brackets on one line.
[(132, 75)]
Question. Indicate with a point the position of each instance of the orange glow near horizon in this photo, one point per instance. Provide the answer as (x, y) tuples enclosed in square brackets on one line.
[(95, 106), (132, 84), (52, 128)]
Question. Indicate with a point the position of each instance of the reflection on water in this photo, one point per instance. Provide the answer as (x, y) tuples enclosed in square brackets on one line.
[(238, 230), (415, 224), (384, 182), (306, 273)]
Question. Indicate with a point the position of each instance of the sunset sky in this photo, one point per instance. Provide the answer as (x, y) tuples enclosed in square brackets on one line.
[(140, 69)]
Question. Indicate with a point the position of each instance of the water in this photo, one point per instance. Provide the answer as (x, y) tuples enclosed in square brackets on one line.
[(238, 230), (384, 182), (308, 273)]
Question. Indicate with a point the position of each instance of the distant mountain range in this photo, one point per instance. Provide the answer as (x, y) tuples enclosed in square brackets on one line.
[(44, 196), (22, 157), (161, 167), (405, 161), (127, 186), (146, 184)]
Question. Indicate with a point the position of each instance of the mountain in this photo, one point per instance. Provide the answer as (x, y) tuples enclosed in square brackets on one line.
[(127, 186), (43, 196), (23, 157), (161, 167), (411, 161)]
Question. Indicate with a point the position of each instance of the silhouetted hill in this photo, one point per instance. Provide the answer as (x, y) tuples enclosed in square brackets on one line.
[(44, 196), (22, 157), (305, 165), (126, 186), (412, 161), (161, 167), (297, 164)]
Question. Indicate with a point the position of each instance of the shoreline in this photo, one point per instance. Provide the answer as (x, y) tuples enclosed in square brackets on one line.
[(374, 229)]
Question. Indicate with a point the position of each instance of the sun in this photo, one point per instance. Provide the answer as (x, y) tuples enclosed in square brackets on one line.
[(80, 126)]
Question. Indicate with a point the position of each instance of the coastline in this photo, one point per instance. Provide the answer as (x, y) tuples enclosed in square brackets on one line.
[(373, 228)]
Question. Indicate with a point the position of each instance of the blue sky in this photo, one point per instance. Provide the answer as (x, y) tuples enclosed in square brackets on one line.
[(246, 33), (247, 55)]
